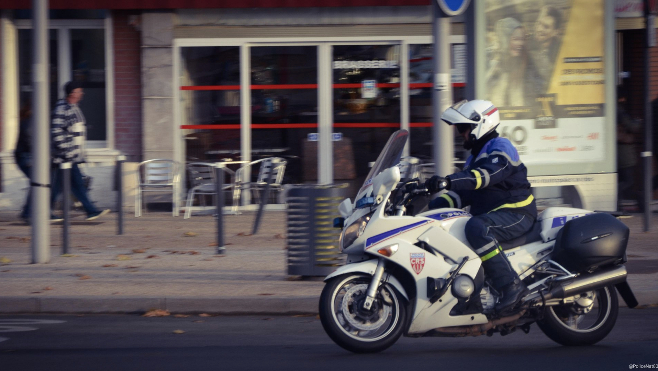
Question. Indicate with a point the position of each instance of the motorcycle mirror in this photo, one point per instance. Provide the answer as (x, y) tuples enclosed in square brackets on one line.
[(385, 181), (345, 208)]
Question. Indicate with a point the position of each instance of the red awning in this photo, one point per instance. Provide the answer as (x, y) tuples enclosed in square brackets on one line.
[(195, 4)]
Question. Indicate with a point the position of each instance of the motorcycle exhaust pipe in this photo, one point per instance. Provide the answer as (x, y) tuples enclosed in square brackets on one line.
[(589, 282)]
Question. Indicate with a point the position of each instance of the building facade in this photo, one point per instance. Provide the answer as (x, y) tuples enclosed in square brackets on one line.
[(321, 84)]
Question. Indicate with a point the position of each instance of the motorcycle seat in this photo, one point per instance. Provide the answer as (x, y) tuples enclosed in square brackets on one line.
[(532, 236)]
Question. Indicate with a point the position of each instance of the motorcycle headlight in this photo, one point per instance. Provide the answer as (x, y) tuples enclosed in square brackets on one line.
[(353, 231)]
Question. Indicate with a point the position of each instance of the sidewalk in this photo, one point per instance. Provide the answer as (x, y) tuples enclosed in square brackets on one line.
[(162, 262)]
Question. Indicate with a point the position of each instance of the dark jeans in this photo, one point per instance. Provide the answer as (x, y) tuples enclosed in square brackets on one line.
[(77, 187), (484, 232), (24, 162)]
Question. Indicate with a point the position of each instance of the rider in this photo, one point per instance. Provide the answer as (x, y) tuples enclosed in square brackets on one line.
[(494, 182)]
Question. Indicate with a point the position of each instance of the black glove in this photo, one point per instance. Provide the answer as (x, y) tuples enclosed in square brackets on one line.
[(437, 183)]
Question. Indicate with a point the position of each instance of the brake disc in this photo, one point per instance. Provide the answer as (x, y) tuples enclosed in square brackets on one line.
[(357, 316)]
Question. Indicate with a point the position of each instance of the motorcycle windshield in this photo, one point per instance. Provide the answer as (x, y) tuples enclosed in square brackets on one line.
[(389, 156)]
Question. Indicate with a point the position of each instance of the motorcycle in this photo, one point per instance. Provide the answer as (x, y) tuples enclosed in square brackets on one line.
[(416, 275)]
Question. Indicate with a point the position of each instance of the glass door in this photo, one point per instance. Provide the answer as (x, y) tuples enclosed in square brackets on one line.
[(284, 108), (366, 106)]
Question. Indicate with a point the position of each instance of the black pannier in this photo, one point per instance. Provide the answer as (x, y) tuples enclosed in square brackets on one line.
[(591, 241)]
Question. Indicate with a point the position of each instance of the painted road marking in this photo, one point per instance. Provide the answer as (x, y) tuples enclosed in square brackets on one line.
[(10, 325)]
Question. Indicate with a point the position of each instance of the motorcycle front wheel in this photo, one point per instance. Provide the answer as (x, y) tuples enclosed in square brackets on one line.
[(351, 326), (586, 321)]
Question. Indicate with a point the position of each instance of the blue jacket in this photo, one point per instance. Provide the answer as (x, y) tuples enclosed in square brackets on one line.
[(495, 180)]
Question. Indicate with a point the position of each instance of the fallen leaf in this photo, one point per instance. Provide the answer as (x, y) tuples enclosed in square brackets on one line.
[(68, 256), (47, 288), (123, 257), (132, 267), (5, 260), (116, 293), (181, 315), (25, 239), (152, 257), (204, 315), (219, 255), (193, 253), (139, 251), (5, 270), (156, 313), (179, 332), (265, 294), (244, 234), (36, 292), (109, 265), (190, 234), (279, 236), (84, 277), (13, 238), (212, 244)]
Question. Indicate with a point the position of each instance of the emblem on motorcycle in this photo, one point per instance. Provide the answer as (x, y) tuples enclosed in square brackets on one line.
[(417, 261)]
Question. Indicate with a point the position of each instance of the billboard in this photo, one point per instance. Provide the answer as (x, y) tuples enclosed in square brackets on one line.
[(544, 64)]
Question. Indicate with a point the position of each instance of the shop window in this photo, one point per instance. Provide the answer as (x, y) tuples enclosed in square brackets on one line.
[(284, 107), (366, 82), (210, 102)]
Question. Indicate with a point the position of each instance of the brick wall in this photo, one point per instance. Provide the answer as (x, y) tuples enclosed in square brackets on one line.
[(634, 63), (2, 124), (127, 86)]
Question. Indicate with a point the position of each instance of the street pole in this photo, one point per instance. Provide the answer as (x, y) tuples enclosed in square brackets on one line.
[(65, 171), (40, 179), (442, 138), (647, 155), (219, 199)]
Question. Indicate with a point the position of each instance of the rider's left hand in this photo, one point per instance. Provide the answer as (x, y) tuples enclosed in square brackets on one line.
[(437, 183)]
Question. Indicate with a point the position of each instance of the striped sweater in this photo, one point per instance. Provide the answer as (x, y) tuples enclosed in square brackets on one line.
[(67, 133)]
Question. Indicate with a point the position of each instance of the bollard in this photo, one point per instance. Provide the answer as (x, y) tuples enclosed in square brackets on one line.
[(263, 200), (119, 182), (66, 193), (219, 200)]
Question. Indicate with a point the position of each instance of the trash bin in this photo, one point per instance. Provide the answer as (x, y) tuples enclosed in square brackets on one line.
[(312, 240)]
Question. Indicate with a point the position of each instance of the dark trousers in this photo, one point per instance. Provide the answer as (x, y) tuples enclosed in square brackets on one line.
[(77, 187), (24, 162), (484, 232)]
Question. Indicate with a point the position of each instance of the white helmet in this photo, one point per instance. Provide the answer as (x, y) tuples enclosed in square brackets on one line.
[(481, 115)]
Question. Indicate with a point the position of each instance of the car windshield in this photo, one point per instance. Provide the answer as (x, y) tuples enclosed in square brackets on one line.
[(389, 156)]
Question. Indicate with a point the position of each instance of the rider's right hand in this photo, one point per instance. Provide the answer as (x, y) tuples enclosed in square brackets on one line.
[(436, 183)]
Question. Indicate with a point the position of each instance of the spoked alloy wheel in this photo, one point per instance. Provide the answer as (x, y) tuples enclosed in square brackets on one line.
[(586, 321), (355, 328)]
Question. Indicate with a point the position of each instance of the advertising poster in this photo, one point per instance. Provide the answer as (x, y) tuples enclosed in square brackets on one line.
[(545, 72)]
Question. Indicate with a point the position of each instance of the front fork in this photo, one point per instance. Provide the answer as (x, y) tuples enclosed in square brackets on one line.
[(374, 285)]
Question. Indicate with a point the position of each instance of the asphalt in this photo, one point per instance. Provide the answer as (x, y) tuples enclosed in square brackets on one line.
[(171, 263)]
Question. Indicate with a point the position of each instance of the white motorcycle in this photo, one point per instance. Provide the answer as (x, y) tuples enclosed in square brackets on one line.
[(417, 276)]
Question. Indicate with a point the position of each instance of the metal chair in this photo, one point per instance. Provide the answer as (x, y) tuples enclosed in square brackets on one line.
[(203, 182), (271, 168), (158, 175)]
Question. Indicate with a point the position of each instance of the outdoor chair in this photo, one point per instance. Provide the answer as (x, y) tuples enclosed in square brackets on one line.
[(271, 168), (203, 182), (158, 175)]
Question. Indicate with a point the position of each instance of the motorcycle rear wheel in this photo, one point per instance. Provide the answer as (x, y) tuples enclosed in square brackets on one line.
[(354, 328), (572, 324)]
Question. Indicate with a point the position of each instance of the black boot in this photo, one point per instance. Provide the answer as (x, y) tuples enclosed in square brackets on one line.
[(512, 294), (505, 280)]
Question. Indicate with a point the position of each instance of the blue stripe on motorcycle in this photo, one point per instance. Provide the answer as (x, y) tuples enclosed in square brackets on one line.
[(448, 215), (380, 237)]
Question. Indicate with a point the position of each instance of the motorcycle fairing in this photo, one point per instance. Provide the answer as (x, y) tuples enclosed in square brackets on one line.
[(368, 267)]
